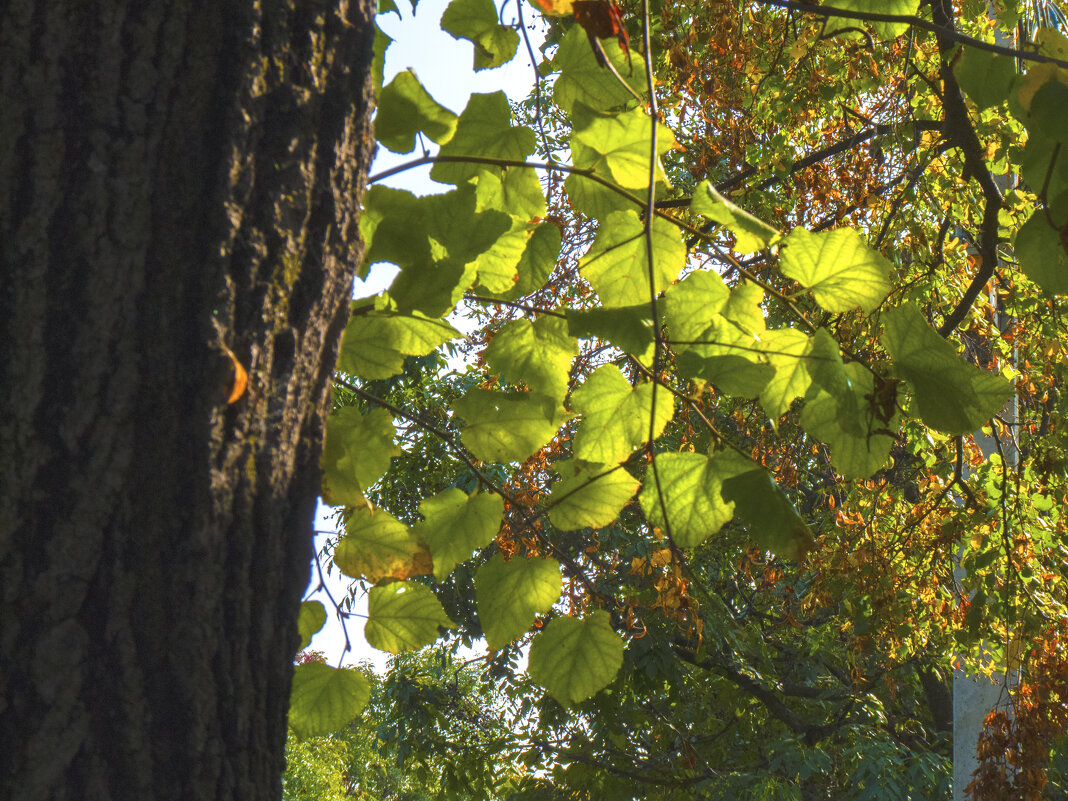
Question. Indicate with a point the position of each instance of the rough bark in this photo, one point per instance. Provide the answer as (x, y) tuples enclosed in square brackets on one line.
[(178, 180)]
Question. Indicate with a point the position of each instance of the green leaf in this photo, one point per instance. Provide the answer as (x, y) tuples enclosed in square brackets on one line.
[(476, 21), (513, 190), (739, 374), (393, 226), (840, 268), (376, 546), (594, 200), (629, 328), (537, 354), (324, 699), (538, 261), (715, 333), (1043, 165), (744, 308), (751, 233), (691, 486), (498, 267), (828, 372), (694, 303), (431, 289), (583, 80), (378, 61), (457, 525), (310, 620), (951, 395), (986, 77), (432, 239), (358, 451), (1049, 111), (455, 226), (509, 595), (786, 349), (849, 424), (616, 146), (1041, 254), (485, 131), (883, 30), (574, 659), (403, 616), (616, 416), (591, 497), (507, 426), (617, 265), (404, 109), (376, 343), (769, 517)]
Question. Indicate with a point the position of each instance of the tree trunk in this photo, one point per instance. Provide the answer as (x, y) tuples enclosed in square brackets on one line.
[(180, 181)]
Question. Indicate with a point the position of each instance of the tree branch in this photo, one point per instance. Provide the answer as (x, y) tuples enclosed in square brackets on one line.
[(960, 132), (943, 29), (830, 151)]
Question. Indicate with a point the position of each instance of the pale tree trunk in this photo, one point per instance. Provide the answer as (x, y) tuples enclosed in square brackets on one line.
[(975, 696), (179, 179)]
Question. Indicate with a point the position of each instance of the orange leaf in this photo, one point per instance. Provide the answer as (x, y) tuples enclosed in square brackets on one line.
[(240, 377), (554, 8)]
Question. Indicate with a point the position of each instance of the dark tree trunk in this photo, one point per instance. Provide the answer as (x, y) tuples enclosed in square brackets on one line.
[(178, 180)]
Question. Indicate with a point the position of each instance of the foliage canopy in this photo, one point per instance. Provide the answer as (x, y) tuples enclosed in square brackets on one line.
[(746, 285)]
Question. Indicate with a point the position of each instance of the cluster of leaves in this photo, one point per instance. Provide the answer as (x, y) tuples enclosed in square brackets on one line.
[(715, 461), (1014, 749), (424, 734)]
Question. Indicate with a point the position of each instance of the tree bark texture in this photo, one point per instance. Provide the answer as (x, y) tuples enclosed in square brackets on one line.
[(179, 181)]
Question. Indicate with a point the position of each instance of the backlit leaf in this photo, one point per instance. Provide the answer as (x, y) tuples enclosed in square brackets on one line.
[(616, 415), (591, 497), (403, 616), (513, 190), (376, 343), (583, 80), (310, 620), (576, 658), (750, 233), (537, 262), (618, 265), (690, 487), (951, 395), (716, 333), (616, 146), (405, 109), (358, 450), (629, 328), (786, 349), (324, 699), (484, 130), (537, 354), (507, 426), (510, 594), (840, 268), (375, 546), (846, 420), (986, 77), (457, 525), (771, 520), (1041, 254), (476, 21), (883, 30), (694, 303)]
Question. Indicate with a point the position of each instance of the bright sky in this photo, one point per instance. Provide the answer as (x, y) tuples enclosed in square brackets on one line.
[(444, 67)]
